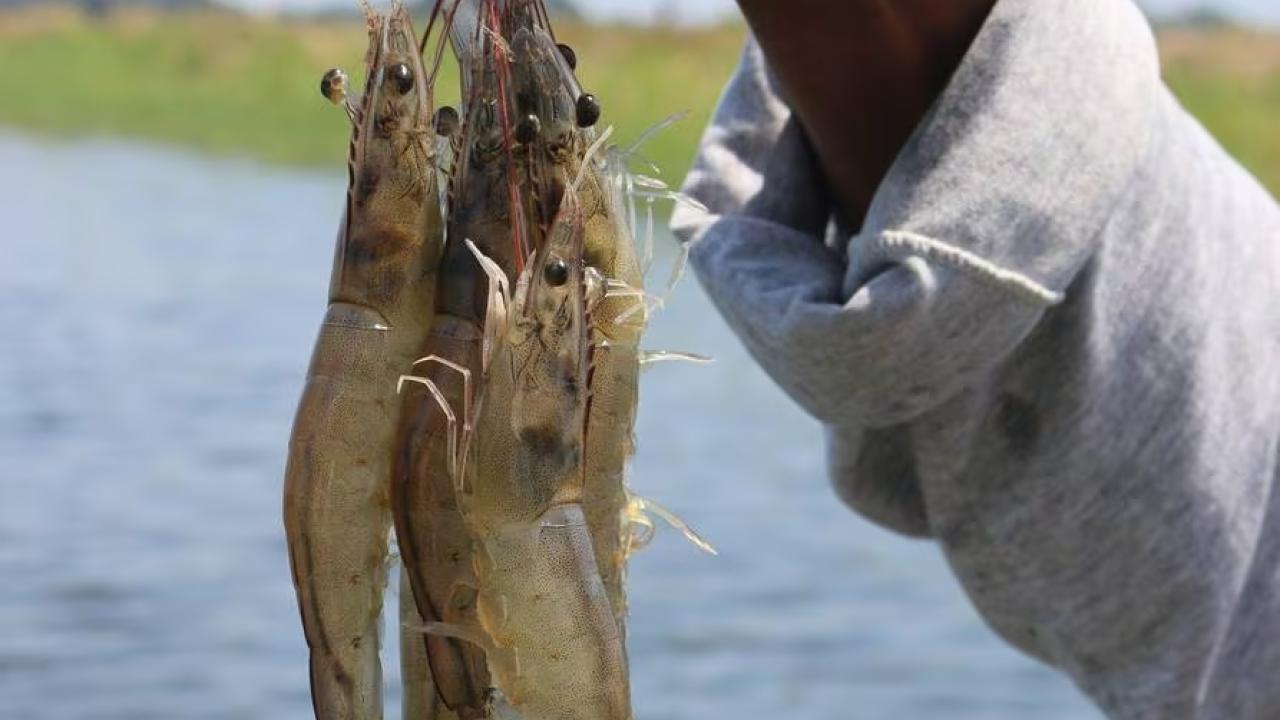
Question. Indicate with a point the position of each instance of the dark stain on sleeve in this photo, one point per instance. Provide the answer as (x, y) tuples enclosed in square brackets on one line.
[(1019, 422)]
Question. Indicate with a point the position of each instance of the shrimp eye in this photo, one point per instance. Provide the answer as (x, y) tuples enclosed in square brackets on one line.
[(588, 110), (402, 76), (447, 121), (556, 272), (570, 56), (334, 86), (527, 129)]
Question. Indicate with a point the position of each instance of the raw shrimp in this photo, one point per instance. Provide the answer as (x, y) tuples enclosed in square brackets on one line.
[(550, 93), (380, 298), (571, 151), (440, 402), (554, 645)]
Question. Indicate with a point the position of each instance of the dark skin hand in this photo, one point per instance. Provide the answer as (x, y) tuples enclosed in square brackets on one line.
[(860, 76)]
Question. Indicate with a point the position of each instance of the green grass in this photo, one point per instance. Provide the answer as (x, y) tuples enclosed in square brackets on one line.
[(229, 84), (1230, 79)]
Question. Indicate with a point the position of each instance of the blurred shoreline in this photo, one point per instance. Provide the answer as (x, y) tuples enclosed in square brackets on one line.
[(225, 82), (230, 83)]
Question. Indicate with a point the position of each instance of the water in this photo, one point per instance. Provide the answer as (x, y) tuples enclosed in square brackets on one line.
[(156, 315)]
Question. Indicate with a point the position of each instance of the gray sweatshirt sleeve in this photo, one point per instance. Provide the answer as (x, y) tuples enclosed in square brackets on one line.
[(896, 319), (1052, 347), (870, 334)]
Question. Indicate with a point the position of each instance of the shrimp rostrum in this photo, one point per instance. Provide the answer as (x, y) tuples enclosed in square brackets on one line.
[(336, 506)]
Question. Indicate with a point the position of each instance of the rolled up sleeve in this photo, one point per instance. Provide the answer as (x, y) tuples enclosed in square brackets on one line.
[(871, 332)]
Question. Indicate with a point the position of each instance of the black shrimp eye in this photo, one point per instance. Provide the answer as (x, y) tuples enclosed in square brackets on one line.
[(447, 121), (556, 272), (570, 56), (402, 76), (527, 129), (588, 110), (334, 85)]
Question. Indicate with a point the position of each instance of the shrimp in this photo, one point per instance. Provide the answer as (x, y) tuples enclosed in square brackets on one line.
[(614, 388), (552, 99), (555, 648), (441, 395), (614, 323), (336, 481), (574, 153)]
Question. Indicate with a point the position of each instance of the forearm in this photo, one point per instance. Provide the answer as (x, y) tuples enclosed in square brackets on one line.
[(861, 75)]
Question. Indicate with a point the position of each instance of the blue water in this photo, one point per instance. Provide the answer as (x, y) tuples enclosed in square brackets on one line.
[(156, 316)]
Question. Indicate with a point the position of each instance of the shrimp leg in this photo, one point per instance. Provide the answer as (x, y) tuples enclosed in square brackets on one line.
[(420, 700)]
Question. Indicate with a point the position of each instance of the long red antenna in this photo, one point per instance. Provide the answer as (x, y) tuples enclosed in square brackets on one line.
[(438, 60), (518, 231), (435, 13)]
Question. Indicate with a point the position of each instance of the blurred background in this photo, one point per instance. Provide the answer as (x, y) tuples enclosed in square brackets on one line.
[(171, 183)]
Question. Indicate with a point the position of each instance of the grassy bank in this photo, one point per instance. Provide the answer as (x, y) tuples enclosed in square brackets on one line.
[(229, 84), (1230, 79)]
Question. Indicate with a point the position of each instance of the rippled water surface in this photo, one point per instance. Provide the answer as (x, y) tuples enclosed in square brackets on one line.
[(156, 316)]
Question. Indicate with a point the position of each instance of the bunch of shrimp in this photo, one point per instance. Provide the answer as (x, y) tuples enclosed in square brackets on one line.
[(486, 272)]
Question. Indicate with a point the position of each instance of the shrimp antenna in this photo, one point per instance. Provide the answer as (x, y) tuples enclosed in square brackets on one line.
[(639, 541), (499, 302), (545, 18), (435, 14), (437, 61), (659, 356), (677, 270), (455, 631), (653, 130), (639, 507), (589, 156), (644, 305)]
